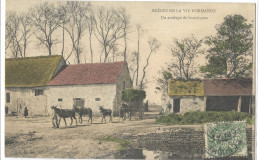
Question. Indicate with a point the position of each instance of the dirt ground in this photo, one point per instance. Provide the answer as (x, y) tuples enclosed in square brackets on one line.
[(35, 137)]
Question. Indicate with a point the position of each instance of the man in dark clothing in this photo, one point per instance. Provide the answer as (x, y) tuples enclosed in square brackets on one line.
[(25, 112), (169, 106), (6, 110)]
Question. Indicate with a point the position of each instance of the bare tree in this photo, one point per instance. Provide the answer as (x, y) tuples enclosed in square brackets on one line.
[(62, 13), (13, 34), (26, 29), (124, 17), (77, 24), (91, 27), (46, 21), (154, 45), (184, 51), (139, 34), (108, 30)]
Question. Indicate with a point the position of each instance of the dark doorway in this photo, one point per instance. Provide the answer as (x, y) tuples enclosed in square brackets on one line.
[(176, 105), (79, 102), (245, 103), (222, 103)]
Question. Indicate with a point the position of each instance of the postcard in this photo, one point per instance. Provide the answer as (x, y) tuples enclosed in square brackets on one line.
[(129, 80)]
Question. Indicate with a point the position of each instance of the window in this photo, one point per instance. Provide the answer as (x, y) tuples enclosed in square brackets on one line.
[(60, 99), (38, 92), (79, 102), (7, 97), (97, 99)]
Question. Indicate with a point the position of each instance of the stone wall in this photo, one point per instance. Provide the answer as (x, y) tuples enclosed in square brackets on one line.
[(187, 142), (191, 104), (25, 97), (123, 82), (94, 95)]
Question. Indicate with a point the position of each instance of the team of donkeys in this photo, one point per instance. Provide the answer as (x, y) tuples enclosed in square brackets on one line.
[(124, 112)]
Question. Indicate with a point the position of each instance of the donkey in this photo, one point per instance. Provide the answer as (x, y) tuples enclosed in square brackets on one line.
[(105, 112), (65, 113), (83, 111)]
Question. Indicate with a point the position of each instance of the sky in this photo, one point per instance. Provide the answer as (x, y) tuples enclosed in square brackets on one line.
[(162, 20)]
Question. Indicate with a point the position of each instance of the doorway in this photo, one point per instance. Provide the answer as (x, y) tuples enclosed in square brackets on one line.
[(176, 105)]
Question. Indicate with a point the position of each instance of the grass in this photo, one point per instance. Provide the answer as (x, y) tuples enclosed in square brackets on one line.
[(123, 143), (200, 117)]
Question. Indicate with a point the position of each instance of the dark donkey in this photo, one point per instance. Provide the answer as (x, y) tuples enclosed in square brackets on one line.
[(65, 113), (83, 111), (105, 112)]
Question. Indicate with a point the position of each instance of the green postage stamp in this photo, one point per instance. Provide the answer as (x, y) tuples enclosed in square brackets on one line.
[(225, 139)]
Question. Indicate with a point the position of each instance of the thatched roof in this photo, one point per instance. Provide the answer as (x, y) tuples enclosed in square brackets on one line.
[(186, 88), (31, 71)]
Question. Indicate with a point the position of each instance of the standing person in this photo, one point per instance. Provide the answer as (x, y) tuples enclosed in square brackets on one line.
[(26, 112), (55, 121), (169, 106), (6, 110)]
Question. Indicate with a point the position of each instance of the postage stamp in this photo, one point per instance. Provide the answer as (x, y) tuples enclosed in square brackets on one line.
[(225, 139)]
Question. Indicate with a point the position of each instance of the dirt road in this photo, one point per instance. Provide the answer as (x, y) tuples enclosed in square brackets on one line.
[(35, 137)]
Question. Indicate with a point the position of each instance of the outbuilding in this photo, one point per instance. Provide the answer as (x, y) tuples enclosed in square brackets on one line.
[(212, 95)]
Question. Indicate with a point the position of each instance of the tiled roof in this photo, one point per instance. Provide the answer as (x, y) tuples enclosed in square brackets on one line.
[(90, 73), (227, 87)]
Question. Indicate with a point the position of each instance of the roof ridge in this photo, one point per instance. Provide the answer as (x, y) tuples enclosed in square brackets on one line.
[(98, 63), (34, 57)]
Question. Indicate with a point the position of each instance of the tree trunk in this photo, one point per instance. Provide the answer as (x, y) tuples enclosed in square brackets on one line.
[(125, 45), (137, 60), (62, 51), (90, 47)]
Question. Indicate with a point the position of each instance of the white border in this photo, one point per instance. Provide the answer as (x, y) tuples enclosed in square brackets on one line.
[(2, 63)]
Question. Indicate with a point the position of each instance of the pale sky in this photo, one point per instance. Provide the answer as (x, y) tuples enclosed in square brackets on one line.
[(162, 29)]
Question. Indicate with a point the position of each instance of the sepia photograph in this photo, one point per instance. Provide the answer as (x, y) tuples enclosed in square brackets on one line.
[(129, 80)]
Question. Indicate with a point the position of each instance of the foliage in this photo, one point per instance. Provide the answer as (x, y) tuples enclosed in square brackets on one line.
[(231, 49), (133, 95), (217, 65), (184, 52), (186, 88), (123, 143), (200, 117)]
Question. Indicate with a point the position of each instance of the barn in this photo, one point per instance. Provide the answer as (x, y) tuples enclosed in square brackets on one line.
[(40, 82), (212, 95), (26, 80), (90, 85)]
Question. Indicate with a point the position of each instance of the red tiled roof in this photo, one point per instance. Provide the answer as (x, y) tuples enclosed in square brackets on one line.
[(227, 87), (91, 73)]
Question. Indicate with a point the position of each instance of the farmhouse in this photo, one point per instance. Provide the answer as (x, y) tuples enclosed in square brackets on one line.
[(40, 82), (90, 85), (26, 80), (212, 95)]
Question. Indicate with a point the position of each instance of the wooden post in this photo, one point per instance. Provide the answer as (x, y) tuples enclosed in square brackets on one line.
[(205, 103), (250, 105), (172, 105), (239, 104)]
